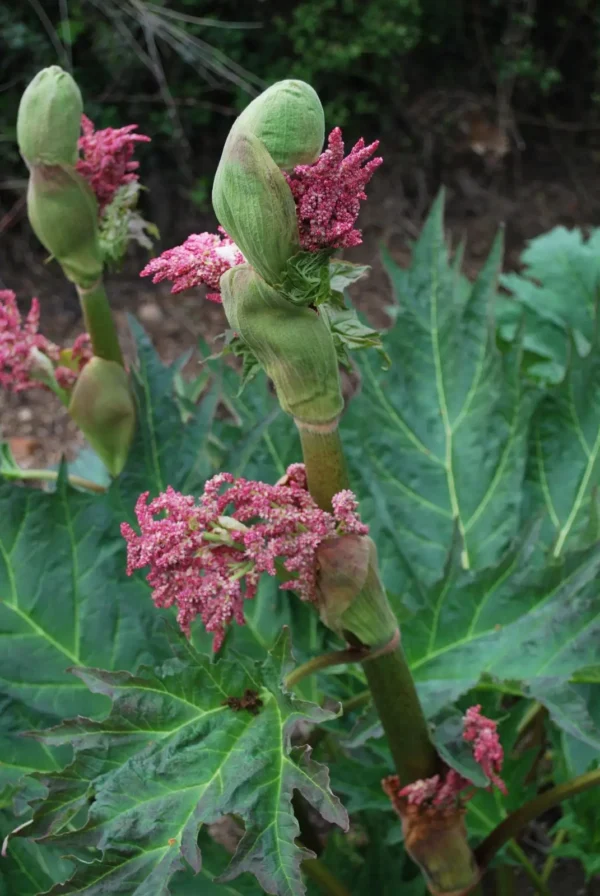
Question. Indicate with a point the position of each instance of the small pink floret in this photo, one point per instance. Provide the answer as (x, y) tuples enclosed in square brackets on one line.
[(207, 558), (452, 789), (328, 194), (200, 261), (24, 351), (107, 159)]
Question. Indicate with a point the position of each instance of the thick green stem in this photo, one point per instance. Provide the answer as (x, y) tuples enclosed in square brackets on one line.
[(388, 675), (516, 821), (99, 323), (398, 707), (324, 462)]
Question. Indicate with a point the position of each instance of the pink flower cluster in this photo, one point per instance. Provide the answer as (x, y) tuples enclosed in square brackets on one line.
[(107, 162), (206, 558), (448, 791), (26, 356), (328, 194), (201, 260)]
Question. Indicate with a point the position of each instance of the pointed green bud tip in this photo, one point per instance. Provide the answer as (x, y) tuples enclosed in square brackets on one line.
[(351, 597), (288, 118), (102, 407), (63, 213), (49, 119), (254, 204), (292, 344)]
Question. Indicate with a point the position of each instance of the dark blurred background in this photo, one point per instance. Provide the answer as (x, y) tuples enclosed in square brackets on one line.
[(499, 100)]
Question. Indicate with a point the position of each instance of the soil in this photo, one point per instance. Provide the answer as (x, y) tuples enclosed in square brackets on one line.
[(551, 185)]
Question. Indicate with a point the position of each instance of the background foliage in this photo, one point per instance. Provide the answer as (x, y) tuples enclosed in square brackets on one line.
[(188, 66)]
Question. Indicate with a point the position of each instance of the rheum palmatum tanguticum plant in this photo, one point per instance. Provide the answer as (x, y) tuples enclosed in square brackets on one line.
[(241, 544)]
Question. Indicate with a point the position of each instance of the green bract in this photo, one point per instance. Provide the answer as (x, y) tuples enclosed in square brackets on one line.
[(49, 120), (292, 343), (351, 598), (255, 206), (102, 407), (288, 118), (63, 213)]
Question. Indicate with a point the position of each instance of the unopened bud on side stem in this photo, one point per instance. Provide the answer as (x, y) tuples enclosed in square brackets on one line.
[(49, 119), (102, 406), (292, 344)]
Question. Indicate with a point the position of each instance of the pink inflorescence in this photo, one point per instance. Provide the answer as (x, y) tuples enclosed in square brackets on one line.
[(107, 162), (452, 789), (207, 558), (328, 194), (25, 354), (200, 261)]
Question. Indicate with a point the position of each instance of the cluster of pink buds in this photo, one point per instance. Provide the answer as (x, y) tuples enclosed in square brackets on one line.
[(451, 790), (107, 162), (207, 558), (327, 195), (201, 260), (29, 360)]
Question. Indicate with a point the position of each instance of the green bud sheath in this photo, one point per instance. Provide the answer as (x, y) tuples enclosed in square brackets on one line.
[(63, 213), (102, 407), (49, 119), (292, 344), (288, 118), (351, 597), (254, 204)]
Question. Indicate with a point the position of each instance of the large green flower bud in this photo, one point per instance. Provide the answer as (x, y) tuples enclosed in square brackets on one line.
[(254, 204), (63, 213), (102, 406), (292, 344), (49, 119), (288, 118)]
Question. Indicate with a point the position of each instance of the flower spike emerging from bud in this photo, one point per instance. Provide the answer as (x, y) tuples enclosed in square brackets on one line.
[(49, 119), (432, 811), (200, 261), (208, 558), (27, 359), (107, 162), (328, 194), (448, 791)]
